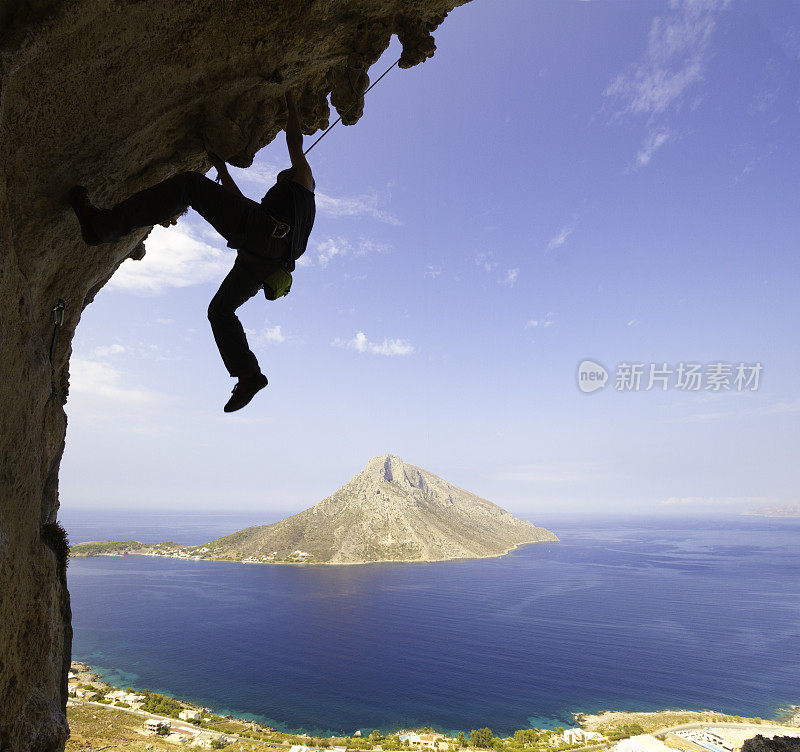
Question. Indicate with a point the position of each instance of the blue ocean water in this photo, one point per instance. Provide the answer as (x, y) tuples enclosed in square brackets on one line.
[(621, 614)]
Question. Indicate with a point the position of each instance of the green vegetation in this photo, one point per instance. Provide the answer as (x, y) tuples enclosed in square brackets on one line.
[(622, 732), (160, 704), (481, 738), (103, 547)]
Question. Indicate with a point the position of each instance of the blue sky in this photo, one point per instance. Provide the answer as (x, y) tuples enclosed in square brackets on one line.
[(614, 181)]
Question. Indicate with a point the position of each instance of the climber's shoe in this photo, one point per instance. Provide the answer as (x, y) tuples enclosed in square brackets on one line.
[(85, 212), (245, 390)]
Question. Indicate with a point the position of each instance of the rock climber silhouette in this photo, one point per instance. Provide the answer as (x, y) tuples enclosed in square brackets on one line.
[(267, 236)]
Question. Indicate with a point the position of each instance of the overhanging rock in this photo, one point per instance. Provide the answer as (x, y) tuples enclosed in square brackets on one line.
[(117, 95)]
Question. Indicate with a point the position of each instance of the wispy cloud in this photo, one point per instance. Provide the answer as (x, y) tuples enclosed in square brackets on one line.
[(560, 237), (104, 351), (103, 381), (694, 502), (433, 270), (363, 205), (511, 278), (267, 335), (653, 142), (388, 347), (678, 49), (354, 206), (676, 56), (175, 257), (484, 260), (322, 252), (543, 323)]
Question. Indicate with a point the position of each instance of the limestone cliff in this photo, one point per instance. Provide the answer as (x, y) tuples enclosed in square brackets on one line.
[(116, 95)]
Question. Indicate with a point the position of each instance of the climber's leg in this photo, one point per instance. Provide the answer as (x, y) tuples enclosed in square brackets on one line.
[(239, 286), (224, 210)]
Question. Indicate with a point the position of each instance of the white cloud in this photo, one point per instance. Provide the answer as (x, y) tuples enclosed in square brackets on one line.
[(367, 204), (715, 501), (322, 252), (388, 347), (329, 249), (560, 237), (268, 335), (548, 320), (677, 53), (353, 206), (484, 260), (101, 380), (175, 258), (652, 143), (263, 174), (433, 270), (511, 277), (105, 351), (634, 322)]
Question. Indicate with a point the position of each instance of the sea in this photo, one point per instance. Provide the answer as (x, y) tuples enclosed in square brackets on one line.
[(623, 613)]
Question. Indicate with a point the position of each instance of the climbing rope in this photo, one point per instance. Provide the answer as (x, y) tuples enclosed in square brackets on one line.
[(58, 322), (327, 130)]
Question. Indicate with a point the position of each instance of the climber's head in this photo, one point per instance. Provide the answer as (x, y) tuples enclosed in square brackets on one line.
[(287, 174)]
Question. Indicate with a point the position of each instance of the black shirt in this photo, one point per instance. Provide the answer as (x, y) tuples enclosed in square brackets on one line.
[(294, 204)]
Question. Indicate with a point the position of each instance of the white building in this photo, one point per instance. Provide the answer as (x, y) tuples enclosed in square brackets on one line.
[(642, 743), (707, 738), (299, 748), (424, 741), (579, 736), (190, 715)]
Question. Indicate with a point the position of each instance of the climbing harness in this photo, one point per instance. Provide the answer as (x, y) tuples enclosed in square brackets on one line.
[(58, 322), (340, 117)]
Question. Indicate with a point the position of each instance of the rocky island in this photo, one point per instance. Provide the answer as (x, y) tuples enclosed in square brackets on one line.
[(390, 511)]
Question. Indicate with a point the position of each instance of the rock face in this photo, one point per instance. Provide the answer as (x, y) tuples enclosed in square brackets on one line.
[(776, 744), (390, 511), (117, 95)]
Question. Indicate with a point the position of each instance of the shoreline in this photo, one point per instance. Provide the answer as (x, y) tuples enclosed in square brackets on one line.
[(788, 716), (80, 555)]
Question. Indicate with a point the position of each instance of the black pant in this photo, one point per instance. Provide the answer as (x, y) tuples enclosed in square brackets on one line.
[(242, 222)]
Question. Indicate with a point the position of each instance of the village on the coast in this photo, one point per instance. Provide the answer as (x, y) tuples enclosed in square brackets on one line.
[(178, 723)]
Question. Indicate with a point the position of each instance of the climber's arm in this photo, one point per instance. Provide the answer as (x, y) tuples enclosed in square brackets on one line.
[(224, 175), (294, 140)]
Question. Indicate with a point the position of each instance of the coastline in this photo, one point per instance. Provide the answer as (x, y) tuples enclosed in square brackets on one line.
[(605, 722), (171, 555)]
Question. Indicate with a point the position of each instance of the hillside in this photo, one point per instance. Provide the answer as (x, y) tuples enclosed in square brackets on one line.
[(391, 511)]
